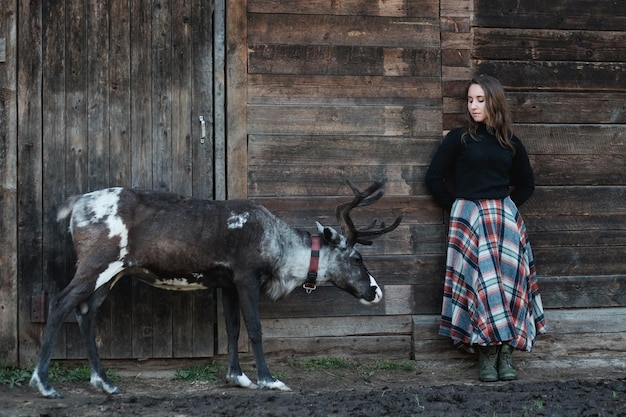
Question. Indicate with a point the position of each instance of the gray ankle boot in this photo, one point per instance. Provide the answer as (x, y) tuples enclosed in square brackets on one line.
[(505, 364), (487, 359)]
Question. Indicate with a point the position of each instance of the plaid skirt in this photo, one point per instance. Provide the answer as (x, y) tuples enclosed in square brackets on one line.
[(491, 295)]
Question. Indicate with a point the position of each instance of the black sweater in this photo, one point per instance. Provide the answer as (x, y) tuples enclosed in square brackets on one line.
[(481, 169)]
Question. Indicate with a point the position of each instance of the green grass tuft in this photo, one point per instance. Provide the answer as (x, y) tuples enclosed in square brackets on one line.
[(209, 372)]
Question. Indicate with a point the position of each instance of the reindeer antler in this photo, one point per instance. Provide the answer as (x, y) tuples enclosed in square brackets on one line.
[(371, 195)]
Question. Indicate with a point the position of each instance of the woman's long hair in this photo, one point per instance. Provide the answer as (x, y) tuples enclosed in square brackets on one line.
[(498, 119)]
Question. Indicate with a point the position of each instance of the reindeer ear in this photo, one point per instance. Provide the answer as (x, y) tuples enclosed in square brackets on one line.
[(320, 228)]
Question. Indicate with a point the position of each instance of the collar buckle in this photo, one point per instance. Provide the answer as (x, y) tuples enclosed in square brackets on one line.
[(310, 286)]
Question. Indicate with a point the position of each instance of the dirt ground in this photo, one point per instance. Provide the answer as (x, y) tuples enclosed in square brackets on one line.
[(591, 387)]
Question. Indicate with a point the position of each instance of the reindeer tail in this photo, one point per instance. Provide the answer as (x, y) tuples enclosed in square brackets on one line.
[(66, 208)]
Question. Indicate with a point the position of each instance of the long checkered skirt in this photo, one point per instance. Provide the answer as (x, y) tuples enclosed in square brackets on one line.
[(491, 295)]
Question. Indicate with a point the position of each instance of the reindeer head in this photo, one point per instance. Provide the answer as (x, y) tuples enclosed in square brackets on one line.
[(345, 264)]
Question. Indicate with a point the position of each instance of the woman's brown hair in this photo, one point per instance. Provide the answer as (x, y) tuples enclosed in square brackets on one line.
[(498, 119)]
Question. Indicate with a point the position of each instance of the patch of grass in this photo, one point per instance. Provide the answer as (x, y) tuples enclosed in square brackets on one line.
[(367, 370), (208, 373), (387, 365), (13, 377), (59, 373), (322, 363)]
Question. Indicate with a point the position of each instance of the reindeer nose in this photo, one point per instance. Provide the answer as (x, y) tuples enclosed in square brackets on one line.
[(377, 293)]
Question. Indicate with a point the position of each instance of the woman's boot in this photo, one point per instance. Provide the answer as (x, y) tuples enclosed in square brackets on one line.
[(487, 360), (505, 364)]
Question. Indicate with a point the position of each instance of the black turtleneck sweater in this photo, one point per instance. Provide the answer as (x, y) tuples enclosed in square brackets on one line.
[(481, 169)]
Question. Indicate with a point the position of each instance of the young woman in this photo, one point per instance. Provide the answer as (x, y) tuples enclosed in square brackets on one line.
[(481, 173)]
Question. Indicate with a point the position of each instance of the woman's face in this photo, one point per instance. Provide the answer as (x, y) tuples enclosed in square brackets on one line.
[(476, 103)]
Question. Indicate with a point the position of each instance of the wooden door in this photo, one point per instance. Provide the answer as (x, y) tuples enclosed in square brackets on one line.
[(124, 87)]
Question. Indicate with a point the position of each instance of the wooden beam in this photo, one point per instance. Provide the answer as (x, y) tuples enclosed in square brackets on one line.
[(571, 333), (8, 191), (236, 105)]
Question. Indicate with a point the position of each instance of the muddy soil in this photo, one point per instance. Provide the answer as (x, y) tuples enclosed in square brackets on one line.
[(594, 387)]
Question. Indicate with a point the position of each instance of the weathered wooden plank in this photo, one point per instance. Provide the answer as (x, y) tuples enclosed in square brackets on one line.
[(589, 260), (97, 21), (554, 107), (583, 222), (303, 180), (181, 99), (303, 212), (8, 192), (161, 64), (335, 327), (343, 150), (578, 169), (141, 95), (600, 291), (399, 8), (567, 201), (76, 62), (343, 60), (556, 76), (342, 120), (322, 29), (549, 45), (202, 74), (580, 14), (363, 347), (611, 233), (456, 8), (331, 89), (573, 139), (236, 105), (561, 108), (120, 94)]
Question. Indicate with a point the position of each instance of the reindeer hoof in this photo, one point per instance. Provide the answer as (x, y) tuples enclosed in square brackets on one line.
[(44, 389), (275, 385), (242, 381), (105, 386)]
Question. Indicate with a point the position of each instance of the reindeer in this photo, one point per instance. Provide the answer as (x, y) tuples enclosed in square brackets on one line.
[(182, 243)]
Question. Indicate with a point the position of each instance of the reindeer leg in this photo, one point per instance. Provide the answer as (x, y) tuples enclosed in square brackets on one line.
[(235, 375), (249, 299), (85, 315), (59, 308)]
